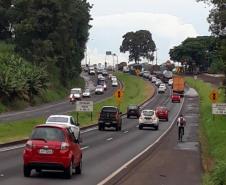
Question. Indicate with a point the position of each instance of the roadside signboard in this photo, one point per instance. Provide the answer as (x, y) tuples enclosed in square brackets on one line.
[(84, 106), (118, 94), (195, 77), (108, 52), (219, 108), (214, 95)]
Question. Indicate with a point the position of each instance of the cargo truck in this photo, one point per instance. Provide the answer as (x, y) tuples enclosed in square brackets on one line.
[(178, 85)]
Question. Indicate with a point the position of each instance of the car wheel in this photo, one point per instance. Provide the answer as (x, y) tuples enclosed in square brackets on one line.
[(68, 171), (127, 116), (27, 171), (117, 128), (140, 127), (156, 127), (100, 127), (78, 169), (167, 119)]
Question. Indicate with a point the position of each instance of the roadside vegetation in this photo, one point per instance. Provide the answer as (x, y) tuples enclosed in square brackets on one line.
[(42, 44), (212, 136), (136, 91)]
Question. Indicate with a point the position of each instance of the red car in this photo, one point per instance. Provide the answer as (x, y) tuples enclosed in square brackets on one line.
[(162, 113), (175, 98), (53, 147)]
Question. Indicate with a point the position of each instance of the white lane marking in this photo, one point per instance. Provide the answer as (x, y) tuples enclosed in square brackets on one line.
[(125, 132), (141, 153), (11, 148), (109, 139), (85, 147), (137, 126), (1, 175), (88, 130)]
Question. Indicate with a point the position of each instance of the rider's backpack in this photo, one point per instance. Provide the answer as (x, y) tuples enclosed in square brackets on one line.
[(182, 122)]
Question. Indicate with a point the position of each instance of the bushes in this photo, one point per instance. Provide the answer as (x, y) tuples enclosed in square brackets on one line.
[(19, 79)]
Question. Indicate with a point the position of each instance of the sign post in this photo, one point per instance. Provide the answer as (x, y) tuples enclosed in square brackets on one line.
[(118, 96), (84, 106), (213, 96)]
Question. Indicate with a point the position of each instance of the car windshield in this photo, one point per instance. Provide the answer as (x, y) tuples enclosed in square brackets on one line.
[(48, 134), (58, 119), (99, 86), (86, 91), (75, 91), (148, 113)]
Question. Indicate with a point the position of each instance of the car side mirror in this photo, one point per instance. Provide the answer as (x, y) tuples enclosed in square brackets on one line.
[(120, 112)]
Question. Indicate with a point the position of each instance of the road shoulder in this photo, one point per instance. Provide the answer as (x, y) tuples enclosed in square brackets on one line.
[(173, 163)]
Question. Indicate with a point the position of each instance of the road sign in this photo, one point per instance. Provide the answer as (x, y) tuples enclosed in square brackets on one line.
[(84, 106), (219, 108), (214, 95), (118, 94)]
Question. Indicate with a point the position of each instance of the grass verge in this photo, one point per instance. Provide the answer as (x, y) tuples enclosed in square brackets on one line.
[(212, 136), (136, 91)]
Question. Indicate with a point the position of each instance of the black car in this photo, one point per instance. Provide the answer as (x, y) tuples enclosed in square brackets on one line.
[(133, 110), (110, 117)]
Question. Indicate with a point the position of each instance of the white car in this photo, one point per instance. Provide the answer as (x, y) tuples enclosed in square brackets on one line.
[(148, 118), (86, 93), (100, 76), (153, 80), (64, 120), (75, 94), (170, 82), (162, 88), (158, 82), (92, 72), (113, 78), (99, 89), (114, 83), (105, 86)]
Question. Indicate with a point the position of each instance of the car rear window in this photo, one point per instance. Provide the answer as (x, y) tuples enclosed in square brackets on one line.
[(77, 91), (109, 109), (148, 113), (58, 119), (132, 107), (48, 133)]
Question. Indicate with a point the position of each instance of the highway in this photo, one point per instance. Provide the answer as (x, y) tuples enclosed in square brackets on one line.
[(103, 151), (61, 107)]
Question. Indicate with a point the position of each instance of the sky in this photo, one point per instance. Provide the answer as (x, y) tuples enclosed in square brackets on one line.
[(169, 21)]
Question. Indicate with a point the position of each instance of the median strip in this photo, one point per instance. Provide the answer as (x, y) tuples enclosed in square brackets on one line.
[(136, 91)]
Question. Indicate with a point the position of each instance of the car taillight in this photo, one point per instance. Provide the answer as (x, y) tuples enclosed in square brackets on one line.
[(29, 145), (64, 146)]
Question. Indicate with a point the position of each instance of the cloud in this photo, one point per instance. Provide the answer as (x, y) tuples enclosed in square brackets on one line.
[(167, 31)]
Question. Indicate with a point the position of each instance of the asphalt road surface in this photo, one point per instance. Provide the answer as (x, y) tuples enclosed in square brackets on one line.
[(60, 107), (103, 151)]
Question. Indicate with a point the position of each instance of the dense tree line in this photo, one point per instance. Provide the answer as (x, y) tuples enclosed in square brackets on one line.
[(49, 34), (217, 21), (198, 54)]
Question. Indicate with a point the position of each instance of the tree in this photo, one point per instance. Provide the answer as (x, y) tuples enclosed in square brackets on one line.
[(5, 32), (217, 20), (138, 44), (196, 53), (53, 33)]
